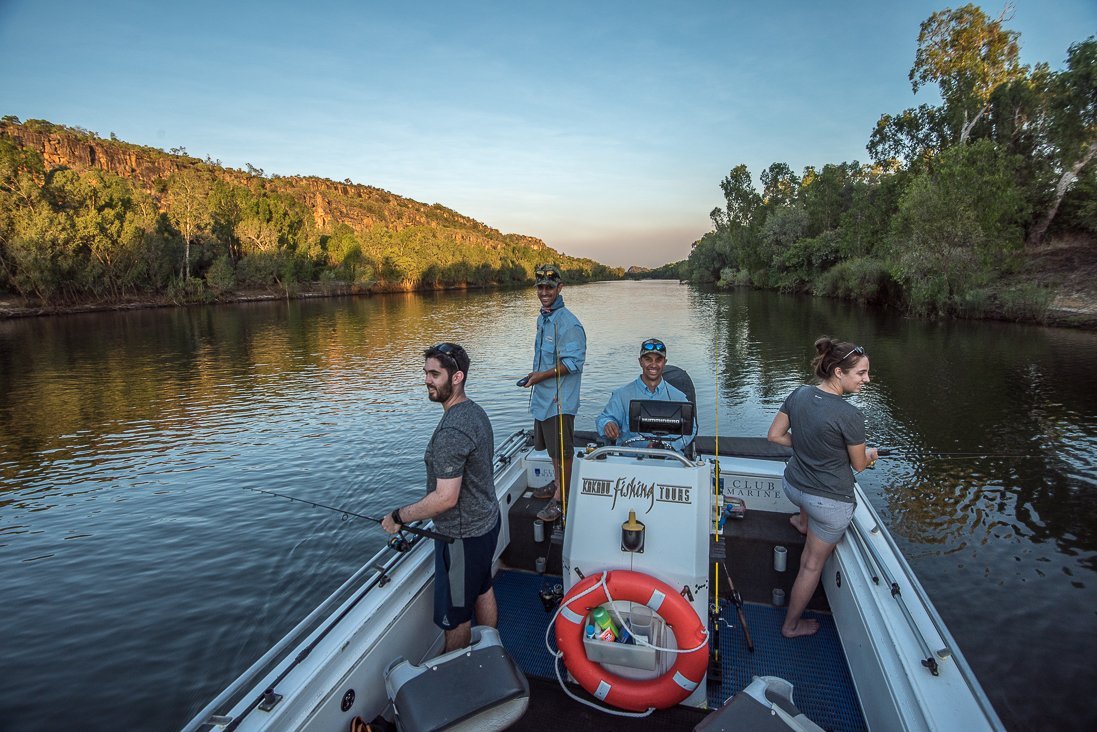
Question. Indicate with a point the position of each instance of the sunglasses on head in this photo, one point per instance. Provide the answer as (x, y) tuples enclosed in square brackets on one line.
[(858, 350), (653, 346), (449, 351), (548, 272)]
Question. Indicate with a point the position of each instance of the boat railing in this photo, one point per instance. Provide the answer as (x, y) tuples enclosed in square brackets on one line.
[(509, 448), (643, 452)]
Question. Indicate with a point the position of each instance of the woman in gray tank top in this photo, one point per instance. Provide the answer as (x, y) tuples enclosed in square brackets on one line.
[(827, 437)]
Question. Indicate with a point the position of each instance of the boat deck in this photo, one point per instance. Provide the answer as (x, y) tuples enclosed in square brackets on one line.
[(815, 666)]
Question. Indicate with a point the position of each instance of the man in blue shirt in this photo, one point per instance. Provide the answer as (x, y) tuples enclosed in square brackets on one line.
[(612, 423), (559, 351)]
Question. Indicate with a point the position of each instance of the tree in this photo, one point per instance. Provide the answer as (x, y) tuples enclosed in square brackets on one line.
[(741, 198), (188, 210), (1072, 125), (779, 185), (968, 56), (826, 195), (910, 136)]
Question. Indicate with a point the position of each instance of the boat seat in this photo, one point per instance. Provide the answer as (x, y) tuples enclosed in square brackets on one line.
[(764, 706), (474, 688)]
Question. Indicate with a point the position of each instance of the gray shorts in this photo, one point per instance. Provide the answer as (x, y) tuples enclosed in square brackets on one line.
[(827, 518)]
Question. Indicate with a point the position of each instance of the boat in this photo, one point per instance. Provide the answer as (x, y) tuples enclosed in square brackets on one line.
[(692, 554)]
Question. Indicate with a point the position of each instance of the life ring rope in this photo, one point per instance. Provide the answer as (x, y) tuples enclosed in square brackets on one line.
[(654, 605), (558, 655), (654, 602)]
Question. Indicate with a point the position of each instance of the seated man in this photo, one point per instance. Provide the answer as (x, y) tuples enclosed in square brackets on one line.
[(612, 423)]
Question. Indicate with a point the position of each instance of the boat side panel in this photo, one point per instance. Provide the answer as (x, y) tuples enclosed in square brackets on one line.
[(886, 648), (876, 673), (389, 621)]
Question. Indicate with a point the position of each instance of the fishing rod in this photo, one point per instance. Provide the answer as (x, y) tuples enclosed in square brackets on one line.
[(935, 455), (737, 600), (345, 512)]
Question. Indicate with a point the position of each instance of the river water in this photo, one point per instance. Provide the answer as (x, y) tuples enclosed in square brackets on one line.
[(138, 578)]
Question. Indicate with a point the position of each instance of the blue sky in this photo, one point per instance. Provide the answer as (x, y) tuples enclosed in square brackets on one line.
[(602, 128)]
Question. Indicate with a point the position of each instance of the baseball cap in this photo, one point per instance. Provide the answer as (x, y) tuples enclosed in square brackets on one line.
[(548, 274)]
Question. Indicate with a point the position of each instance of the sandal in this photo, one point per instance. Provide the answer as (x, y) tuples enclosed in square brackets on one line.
[(545, 491), (550, 512)]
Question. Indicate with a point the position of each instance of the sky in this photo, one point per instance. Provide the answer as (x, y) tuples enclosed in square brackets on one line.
[(603, 128)]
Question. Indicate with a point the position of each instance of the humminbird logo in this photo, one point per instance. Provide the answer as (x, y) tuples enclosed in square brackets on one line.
[(633, 489)]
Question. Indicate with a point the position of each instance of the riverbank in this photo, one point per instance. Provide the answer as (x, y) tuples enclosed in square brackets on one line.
[(17, 307), (1063, 272), (1068, 267)]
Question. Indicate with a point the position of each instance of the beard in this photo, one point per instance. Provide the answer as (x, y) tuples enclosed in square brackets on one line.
[(441, 394)]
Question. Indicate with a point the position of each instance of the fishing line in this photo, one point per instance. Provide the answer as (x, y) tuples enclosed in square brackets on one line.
[(346, 513), (933, 455)]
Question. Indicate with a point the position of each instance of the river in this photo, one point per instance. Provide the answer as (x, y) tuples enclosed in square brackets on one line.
[(139, 578)]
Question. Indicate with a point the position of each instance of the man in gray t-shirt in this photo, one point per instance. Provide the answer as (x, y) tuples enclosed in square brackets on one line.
[(460, 498), (462, 447)]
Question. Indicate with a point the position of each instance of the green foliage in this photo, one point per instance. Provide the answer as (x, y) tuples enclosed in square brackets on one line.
[(863, 280), (183, 291), (968, 56), (1079, 208), (983, 179), (954, 192), (70, 235), (259, 270), (935, 244), (1025, 302), (220, 277), (730, 277)]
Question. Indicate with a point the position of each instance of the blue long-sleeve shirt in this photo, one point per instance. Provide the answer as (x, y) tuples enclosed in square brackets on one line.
[(617, 409), (559, 335)]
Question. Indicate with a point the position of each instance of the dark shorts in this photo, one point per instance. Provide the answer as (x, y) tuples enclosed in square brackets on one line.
[(545, 436), (462, 572)]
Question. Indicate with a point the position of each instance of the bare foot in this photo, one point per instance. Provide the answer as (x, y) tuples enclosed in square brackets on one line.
[(804, 626), (799, 523)]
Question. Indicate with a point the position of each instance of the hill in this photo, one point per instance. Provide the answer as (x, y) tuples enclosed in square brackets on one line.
[(84, 218)]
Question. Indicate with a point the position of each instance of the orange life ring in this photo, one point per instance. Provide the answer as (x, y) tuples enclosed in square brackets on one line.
[(635, 695)]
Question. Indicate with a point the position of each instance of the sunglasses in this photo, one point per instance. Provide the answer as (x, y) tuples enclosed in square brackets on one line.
[(858, 350), (653, 346), (547, 272), (448, 350)]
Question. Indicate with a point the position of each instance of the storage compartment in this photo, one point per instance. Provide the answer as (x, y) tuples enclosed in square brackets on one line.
[(625, 659), (538, 469), (474, 688)]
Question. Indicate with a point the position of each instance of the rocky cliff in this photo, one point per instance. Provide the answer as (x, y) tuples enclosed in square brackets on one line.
[(358, 206)]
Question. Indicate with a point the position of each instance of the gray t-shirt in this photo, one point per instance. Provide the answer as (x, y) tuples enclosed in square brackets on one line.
[(823, 424), (462, 446)]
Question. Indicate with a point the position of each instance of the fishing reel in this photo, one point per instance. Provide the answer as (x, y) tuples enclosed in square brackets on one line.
[(398, 543), (551, 595)]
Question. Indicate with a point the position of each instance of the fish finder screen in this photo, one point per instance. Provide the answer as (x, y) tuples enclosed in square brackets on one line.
[(653, 417)]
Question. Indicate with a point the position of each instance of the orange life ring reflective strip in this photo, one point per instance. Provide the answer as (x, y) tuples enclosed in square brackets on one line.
[(635, 695)]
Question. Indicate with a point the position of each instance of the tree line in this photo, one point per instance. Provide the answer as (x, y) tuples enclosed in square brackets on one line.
[(203, 232), (953, 199)]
